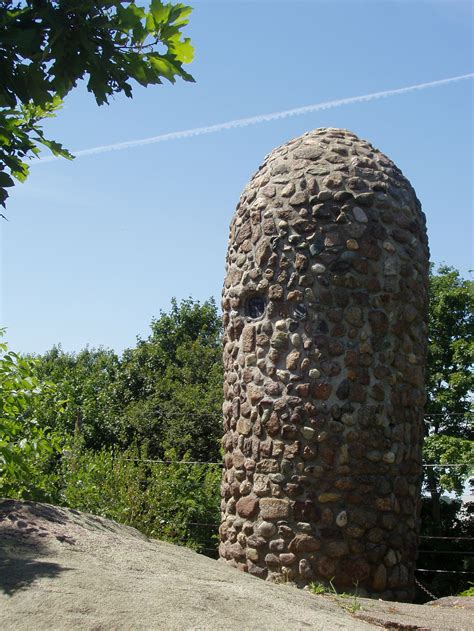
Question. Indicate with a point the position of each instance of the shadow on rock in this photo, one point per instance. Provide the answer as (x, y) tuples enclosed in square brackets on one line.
[(16, 574), (26, 530)]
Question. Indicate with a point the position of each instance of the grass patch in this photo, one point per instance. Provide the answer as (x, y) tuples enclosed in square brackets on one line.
[(351, 601)]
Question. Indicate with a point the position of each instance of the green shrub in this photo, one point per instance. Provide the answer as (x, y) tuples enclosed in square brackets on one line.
[(27, 450), (165, 501)]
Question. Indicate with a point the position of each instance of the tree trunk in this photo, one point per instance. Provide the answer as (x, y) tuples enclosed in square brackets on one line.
[(435, 500)]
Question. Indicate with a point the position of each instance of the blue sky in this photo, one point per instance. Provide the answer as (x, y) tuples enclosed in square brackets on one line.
[(95, 248)]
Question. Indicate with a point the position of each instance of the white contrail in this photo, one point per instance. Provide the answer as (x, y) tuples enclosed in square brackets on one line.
[(262, 118)]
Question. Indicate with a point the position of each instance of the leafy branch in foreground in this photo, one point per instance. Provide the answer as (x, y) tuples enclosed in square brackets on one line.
[(20, 137), (47, 47)]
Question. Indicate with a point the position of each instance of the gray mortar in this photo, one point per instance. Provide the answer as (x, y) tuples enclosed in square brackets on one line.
[(325, 310)]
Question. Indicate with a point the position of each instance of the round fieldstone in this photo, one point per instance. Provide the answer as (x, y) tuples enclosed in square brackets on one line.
[(287, 558), (308, 432), (379, 580), (247, 506), (304, 543), (266, 529), (305, 569), (359, 214)]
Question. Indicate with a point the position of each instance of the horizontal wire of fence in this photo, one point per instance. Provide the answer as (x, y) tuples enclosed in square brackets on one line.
[(447, 538), (215, 525), (202, 462), (461, 552), (422, 569), (327, 480), (218, 416), (449, 414), (450, 464), (188, 462)]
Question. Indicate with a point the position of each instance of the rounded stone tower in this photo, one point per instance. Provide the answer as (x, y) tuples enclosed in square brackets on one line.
[(325, 307)]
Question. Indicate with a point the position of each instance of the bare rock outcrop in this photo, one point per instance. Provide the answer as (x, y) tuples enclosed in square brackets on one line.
[(61, 569)]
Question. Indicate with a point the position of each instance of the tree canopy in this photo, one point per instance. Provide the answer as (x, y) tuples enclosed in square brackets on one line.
[(450, 384), (450, 379), (448, 451), (171, 383), (47, 46), (166, 392)]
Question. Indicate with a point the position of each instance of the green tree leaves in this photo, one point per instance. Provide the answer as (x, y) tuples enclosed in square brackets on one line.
[(451, 460), (84, 400), (26, 447), (450, 383), (166, 393), (20, 137), (173, 502), (450, 378), (173, 383), (47, 47)]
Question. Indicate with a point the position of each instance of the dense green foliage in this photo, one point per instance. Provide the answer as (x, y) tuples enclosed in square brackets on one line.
[(450, 384), (47, 46), (84, 398), (171, 384), (169, 501), (450, 379), (165, 393), (448, 432), (27, 449)]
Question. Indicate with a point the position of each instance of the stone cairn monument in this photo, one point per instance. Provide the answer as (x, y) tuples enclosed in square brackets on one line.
[(325, 304)]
